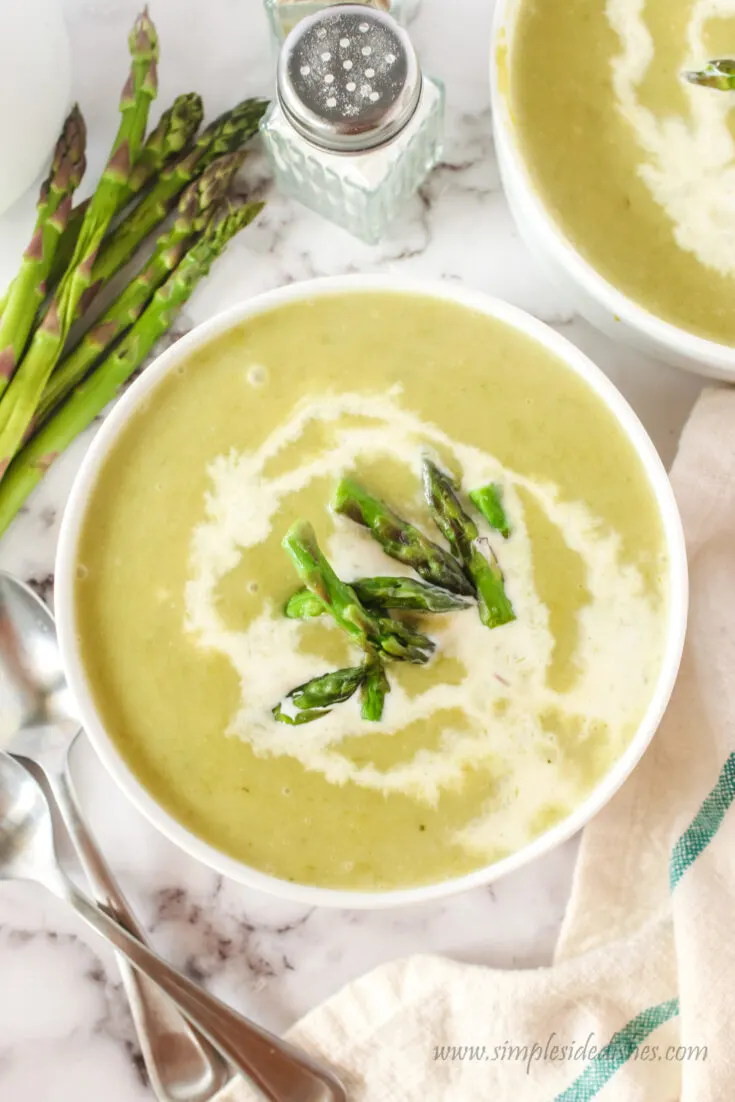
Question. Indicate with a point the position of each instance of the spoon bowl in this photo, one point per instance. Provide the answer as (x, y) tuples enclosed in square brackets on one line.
[(33, 687), (26, 837)]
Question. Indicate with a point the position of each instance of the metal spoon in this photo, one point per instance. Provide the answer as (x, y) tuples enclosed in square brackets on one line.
[(37, 721), (27, 852)]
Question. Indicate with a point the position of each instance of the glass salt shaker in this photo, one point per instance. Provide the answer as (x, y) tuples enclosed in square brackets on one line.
[(283, 15), (355, 127)]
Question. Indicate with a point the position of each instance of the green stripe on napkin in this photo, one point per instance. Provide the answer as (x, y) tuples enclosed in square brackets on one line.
[(618, 1051), (705, 825), (693, 841)]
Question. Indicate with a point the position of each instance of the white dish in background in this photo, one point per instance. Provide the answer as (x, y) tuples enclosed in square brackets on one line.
[(593, 297), (66, 573), (35, 91)]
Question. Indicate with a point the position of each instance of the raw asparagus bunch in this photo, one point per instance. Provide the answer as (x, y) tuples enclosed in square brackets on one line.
[(195, 210), (719, 74), (89, 398), (22, 396), (226, 134), (174, 132), (28, 289), (476, 555), (399, 539), (381, 594)]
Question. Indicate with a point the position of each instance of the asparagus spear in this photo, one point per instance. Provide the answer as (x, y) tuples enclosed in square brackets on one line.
[(719, 74), (114, 186), (461, 533), (305, 605), (173, 134), (337, 598), (27, 291), (175, 130), (402, 643), (409, 594), (399, 539), (381, 594), (225, 135), (317, 697), (90, 397), (396, 640), (373, 691), (372, 633), (22, 396), (489, 501), (195, 209)]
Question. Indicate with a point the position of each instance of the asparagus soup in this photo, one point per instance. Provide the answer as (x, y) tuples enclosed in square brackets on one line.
[(634, 162), (371, 591)]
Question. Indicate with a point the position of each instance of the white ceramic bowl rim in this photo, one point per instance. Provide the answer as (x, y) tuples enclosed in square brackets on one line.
[(678, 341), (66, 572)]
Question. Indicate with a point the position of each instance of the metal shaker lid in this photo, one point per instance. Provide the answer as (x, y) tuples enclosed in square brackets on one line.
[(348, 78)]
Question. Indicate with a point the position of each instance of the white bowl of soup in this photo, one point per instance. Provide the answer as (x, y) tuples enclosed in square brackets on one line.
[(172, 585), (618, 172)]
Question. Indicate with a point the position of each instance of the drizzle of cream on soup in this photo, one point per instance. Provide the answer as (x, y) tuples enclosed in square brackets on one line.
[(503, 693), (689, 164)]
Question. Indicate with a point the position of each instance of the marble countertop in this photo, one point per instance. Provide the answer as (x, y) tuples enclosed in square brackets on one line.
[(65, 1032)]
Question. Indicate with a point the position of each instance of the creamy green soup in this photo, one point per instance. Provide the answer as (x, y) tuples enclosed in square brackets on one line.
[(182, 583), (636, 165)]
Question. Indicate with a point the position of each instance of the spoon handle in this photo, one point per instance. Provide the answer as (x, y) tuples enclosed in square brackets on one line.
[(181, 1065), (280, 1071)]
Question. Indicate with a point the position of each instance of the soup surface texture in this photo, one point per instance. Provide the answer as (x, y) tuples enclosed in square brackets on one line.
[(635, 164), (182, 584)]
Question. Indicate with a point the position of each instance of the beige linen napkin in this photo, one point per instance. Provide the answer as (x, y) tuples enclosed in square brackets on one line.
[(639, 1005)]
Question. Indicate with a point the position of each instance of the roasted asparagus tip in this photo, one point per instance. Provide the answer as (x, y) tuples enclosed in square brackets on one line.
[(718, 74)]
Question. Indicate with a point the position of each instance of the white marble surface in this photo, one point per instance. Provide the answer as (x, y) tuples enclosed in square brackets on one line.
[(65, 1033)]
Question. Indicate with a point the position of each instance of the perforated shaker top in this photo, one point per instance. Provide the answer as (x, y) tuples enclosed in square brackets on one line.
[(348, 78)]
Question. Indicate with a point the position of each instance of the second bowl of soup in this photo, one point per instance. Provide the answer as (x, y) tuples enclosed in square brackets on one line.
[(619, 171), (369, 591)]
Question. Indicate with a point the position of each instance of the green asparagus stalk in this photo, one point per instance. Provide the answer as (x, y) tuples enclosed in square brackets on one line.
[(90, 397), (461, 533), (226, 134), (399, 539), (396, 639), (67, 244), (114, 185), (719, 74), (373, 691), (402, 643), (304, 605), (317, 697), (338, 599), (372, 633), (408, 594), (175, 130), (380, 594), (22, 396), (488, 500), (173, 134), (28, 289), (195, 209)]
